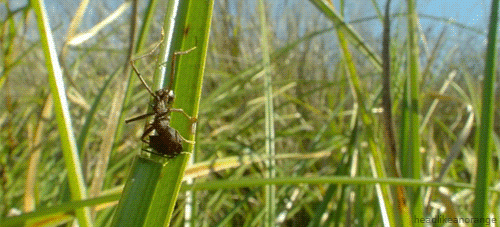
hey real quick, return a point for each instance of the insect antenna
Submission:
(142, 79)
(143, 56)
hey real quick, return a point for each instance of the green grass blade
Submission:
(348, 180)
(47, 213)
(138, 193)
(415, 160)
(187, 25)
(191, 67)
(61, 107)
(481, 205)
(190, 76)
(167, 189)
(270, 190)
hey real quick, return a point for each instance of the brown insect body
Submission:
(167, 141)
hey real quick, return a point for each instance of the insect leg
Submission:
(192, 119)
(148, 129)
(183, 139)
(172, 65)
(139, 117)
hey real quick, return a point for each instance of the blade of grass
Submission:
(388, 120)
(74, 25)
(29, 189)
(258, 182)
(413, 153)
(8, 57)
(84, 133)
(61, 107)
(327, 8)
(481, 205)
(432, 107)
(456, 148)
(82, 37)
(270, 190)
(138, 193)
(69, 207)
(187, 25)
(343, 170)
(189, 82)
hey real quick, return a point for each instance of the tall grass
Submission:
(270, 190)
(481, 202)
(63, 118)
(158, 182)
(323, 117)
(411, 157)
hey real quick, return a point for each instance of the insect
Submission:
(166, 141)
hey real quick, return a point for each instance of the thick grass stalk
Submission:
(61, 107)
(414, 158)
(269, 119)
(138, 193)
(187, 25)
(481, 205)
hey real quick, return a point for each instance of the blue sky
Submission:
(472, 12)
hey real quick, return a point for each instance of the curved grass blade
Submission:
(80, 38)
(327, 9)
(61, 107)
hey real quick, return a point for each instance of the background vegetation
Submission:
(324, 65)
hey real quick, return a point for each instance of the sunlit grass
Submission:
(331, 166)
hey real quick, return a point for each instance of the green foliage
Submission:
(66, 153)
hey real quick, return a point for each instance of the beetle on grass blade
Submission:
(166, 141)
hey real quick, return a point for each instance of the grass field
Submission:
(304, 118)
